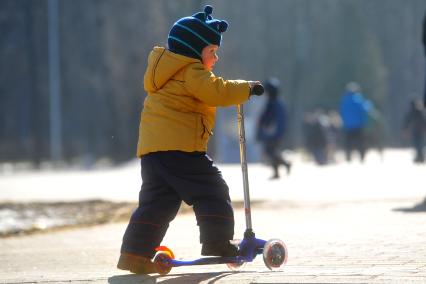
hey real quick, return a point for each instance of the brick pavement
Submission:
(329, 242)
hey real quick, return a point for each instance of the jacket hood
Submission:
(163, 65)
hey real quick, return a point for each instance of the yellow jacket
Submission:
(179, 111)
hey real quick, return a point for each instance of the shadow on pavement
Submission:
(174, 278)
(418, 208)
(131, 279)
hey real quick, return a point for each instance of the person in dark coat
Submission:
(272, 126)
(315, 134)
(424, 48)
(415, 127)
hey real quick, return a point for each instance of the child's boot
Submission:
(219, 249)
(136, 264)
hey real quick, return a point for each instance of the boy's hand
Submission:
(256, 88)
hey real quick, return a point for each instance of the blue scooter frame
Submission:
(248, 248)
(274, 251)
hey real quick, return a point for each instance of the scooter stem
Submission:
(242, 135)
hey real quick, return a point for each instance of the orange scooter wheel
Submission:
(162, 260)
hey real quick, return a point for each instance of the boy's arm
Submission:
(215, 91)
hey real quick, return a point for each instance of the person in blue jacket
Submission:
(272, 126)
(354, 112)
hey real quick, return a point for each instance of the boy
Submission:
(176, 123)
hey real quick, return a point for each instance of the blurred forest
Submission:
(313, 47)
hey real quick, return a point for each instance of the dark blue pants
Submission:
(418, 143)
(354, 140)
(273, 152)
(168, 178)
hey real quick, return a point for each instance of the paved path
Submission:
(349, 242)
(342, 224)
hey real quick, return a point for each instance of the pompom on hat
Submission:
(190, 35)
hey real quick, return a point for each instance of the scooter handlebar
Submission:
(257, 90)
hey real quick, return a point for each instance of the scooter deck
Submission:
(207, 260)
(249, 248)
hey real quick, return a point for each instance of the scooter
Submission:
(274, 251)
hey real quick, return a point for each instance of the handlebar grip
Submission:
(257, 90)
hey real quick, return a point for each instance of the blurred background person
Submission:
(375, 134)
(354, 112)
(315, 135)
(271, 127)
(424, 49)
(333, 133)
(414, 129)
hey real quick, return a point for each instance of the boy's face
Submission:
(209, 56)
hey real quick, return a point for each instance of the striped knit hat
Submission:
(190, 35)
